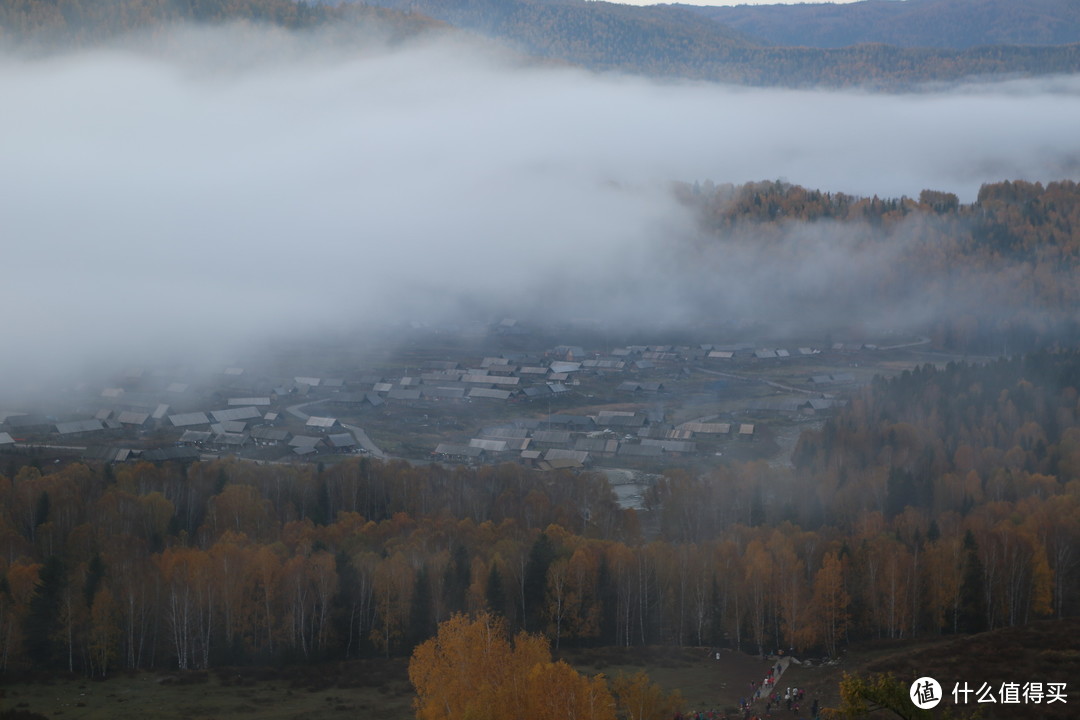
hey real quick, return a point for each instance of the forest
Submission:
(940, 501)
(679, 41)
(72, 24)
(912, 23)
(656, 41)
(998, 273)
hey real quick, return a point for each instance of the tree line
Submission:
(86, 23)
(940, 501)
(995, 276)
(666, 41)
(914, 23)
(654, 41)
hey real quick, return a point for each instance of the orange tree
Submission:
(472, 671)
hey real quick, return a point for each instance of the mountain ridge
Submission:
(665, 41)
(659, 41)
(956, 24)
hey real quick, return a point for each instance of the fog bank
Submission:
(241, 185)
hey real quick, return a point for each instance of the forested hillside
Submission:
(941, 501)
(596, 34)
(983, 277)
(954, 24)
(81, 23)
(658, 41)
(677, 42)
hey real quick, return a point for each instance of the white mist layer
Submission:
(241, 185)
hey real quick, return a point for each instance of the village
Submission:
(505, 394)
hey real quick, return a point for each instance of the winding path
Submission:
(358, 432)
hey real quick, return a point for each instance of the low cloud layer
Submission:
(240, 185)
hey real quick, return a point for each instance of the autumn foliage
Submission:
(1000, 272)
(470, 669)
(641, 699)
(943, 500)
(884, 695)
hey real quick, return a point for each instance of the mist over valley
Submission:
(589, 337)
(243, 184)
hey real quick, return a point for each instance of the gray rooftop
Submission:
(456, 449)
(445, 393)
(551, 437)
(489, 393)
(598, 445)
(707, 428)
(342, 440)
(564, 367)
(79, 426)
(244, 413)
(489, 445)
(573, 457)
(270, 434)
(640, 450)
(129, 417)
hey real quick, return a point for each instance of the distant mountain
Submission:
(681, 41)
(70, 23)
(658, 39)
(956, 24)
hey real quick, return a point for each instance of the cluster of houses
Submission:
(516, 377)
(157, 417)
(511, 377)
(321, 434)
(572, 441)
(153, 419)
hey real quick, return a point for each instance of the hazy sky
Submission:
(245, 184)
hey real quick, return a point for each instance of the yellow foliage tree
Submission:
(830, 604)
(883, 695)
(470, 670)
(393, 592)
(640, 699)
(104, 631)
(556, 691)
